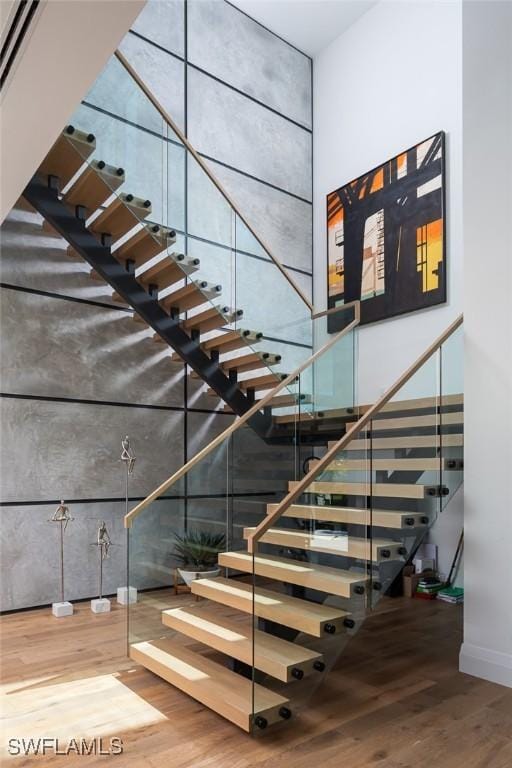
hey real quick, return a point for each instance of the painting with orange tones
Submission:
(386, 241)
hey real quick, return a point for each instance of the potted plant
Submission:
(197, 552)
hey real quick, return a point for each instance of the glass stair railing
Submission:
(346, 530)
(209, 504)
(133, 198)
(284, 568)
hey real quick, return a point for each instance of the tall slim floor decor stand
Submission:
(127, 594)
(103, 542)
(62, 516)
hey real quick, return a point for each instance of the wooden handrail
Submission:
(168, 119)
(306, 481)
(258, 405)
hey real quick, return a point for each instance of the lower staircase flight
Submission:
(252, 642)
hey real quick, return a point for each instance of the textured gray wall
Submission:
(78, 374)
(248, 105)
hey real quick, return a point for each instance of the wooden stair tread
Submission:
(284, 401)
(231, 340)
(215, 686)
(145, 244)
(423, 403)
(388, 490)
(212, 318)
(273, 655)
(268, 381)
(195, 293)
(384, 518)
(391, 464)
(290, 611)
(250, 361)
(94, 186)
(122, 215)
(169, 270)
(335, 544)
(418, 403)
(407, 441)
(311, 575)
(413, 422)
(68, 154)
(343, 415)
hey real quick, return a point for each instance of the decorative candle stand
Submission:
(103, 542)
(62, 516)
(127, 595)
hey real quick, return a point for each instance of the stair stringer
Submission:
(46, 201)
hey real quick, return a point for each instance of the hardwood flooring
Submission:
(395, 700)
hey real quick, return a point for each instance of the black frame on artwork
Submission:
(378, 309)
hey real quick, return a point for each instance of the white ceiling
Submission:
(310, 25)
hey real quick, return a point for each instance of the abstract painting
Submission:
(386, 236)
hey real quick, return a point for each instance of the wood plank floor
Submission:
(395, 700)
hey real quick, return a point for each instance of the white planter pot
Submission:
(190, 576)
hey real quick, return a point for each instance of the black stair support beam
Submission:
(245, 670)
(44, 198)
(278, 630)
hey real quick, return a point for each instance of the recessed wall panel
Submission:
(210, 475)
(162, 21)
(162, 73)
(238, 50)
(57, 450)
(33, 259)
(283, 222)
(228, 127)
(85, 352)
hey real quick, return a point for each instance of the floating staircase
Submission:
(277, 619)
(99, 208)
(252, 643)
(82, 200)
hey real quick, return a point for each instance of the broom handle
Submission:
(456, 557)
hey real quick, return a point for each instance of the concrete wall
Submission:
(243, 97)
(487, 649)
(392, 79)
(77, 373)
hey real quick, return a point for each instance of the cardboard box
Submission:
(424, 564)
(426, 557)
(411, 579)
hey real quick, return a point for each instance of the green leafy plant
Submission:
(198, 550)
